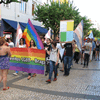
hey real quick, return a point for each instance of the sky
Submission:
(89, 8)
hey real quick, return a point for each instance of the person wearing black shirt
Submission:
(47, 47)
(68, 57)
(44, 44)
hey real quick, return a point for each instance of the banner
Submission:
(91, 35)
(48, 35)
(79, 33)
(18, 35)
(0, 11)
(66, 30)
(27, 60)
(30, 33)
(77, 41)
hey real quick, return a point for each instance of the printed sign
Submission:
(27, 60)
(66, 30)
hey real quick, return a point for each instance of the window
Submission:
(33, 9)
(7, 5)
(23, 7)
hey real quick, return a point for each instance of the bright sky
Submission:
(89, 8)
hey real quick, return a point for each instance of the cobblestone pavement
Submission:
(81, 84)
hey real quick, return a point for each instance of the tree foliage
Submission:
(51, 15)
(96, 33)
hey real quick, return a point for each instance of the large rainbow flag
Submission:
(27, 60)
(30, 33)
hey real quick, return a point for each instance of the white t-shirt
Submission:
(11, 44)
(22, 46)
(88, 46)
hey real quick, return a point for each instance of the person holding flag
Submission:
(68, 57)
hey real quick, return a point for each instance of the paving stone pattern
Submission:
(81, 84)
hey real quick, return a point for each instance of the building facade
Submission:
(19, 12)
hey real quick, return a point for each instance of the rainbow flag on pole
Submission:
(28, 60)
(30, 33)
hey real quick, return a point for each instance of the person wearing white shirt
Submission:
(10, 43)
(87, 53)
(22, 45)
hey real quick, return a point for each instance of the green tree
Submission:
(9, 1)
(51, 15)
(96, 33)
(87, 25)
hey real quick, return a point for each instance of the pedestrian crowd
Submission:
(89, 52)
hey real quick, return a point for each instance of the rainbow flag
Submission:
(28, 60)
(30, 33)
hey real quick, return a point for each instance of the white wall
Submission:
(13, 12)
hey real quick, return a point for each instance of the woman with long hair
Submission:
(97, 50)
(4, 62)
(21, 45)
(33, 46)
(54, 61)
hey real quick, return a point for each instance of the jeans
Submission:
(53, 68)
(47, 66)
(67, 64)
(72, 60)
(86, 59)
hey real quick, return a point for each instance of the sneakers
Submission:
(86, 66)
(62, 70)
(83, 66)
(48, 81)
(64, 75)
(55, 79)
(15, 74)
(95, 59)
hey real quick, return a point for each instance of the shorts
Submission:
(97, 49)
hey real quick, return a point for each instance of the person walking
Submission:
(97, 50)
(22, 45)
(76, 54)
(68, 57)
(47, 48)
(54, 61)
(4, 62)
(87, 53)
(33, 46)
(82, 54)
